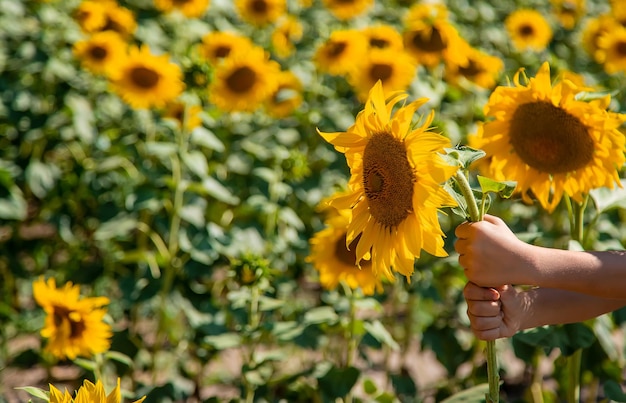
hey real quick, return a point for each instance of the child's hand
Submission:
(492, 255)
(494, 312)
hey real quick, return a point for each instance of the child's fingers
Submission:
(476, 293)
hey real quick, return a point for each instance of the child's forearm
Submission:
(549, 306)
(600, 274)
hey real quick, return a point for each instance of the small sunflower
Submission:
(218, 45)
(612, 50)
(568, 12)
(618, 11)
(528, 30)
(394, 69)
(383, 37)
(286, 34)
(593, 31)
(347, 9)
(121, 20)
(89, 392)
(482, 69)
(244, 81)
(145, 80)
(337, 55)
(335, 260)
(430, 38)
(189, 8)
(74, 326)
(287, 96)
(91, 15)
(186, 116)
(102, 52)
(395, 187)
(541, 136)
(261, 12)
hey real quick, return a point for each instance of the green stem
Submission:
(493, 396)
(350, 335)
(573, 376)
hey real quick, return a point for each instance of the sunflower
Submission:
(244, 81)
(288, 32)
(528, 30)
(91, 15)
(121, 20)
(549, 142)
(189, 8)
(287, 96)
(593, 31)
(347, 9)
(612, 50)
(145, 80)
(618, 11)
(395, 187)
(383, 37)
(74, 326)
(568, 12)
(482, 69)
(260, 12)
(102, 52)
(217, 45)
(185, 116)
(430, 38)
(89, 392)
(335, 260)
(336, 56)
(395, 69)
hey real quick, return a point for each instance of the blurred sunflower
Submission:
(288, 32)
(612, 50)
(218, 45)
(395, 69)
(189, 8)
(102, 52)
(145, 80)
(91, 15)
(287, 96)
(186, 116)
(594, 29)
(549, 142)
(430, 38)
(121, 20)
(244, 81)
(395, 187)
(260, 12)
(74, 326)
(337, 55)
(618, 11)
(482, 69)
(383, 37)
(568, 12)
(347, 9)
(336, 261)
(528, 30)
(89, 392)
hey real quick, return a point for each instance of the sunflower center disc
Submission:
(348, 255)
(471, 70)
(98, 53)
(429, 43)
(241, 80)
(222, 52)
(336, 49)
(62, 314)
(259, 6)
(388, 179)
(526, 31)
(380, 71)
(144, 77)
(620, 47)
(549, 139)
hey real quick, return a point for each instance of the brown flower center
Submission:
(526, 31)
(429, 43)
(380, 71)
(259, 7)
(62, 315)
(620, 48)
(221, 52)
(336, 49)
(144, 78)
(98, 52)
(348, 255)
(549, 139)
(241, 80)
(388, 179)
(379, 43)
(471, 70)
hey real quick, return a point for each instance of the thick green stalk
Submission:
(493, 396)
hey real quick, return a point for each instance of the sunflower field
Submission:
(256, 200)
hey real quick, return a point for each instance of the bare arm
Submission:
(503, 311)
(492, 255)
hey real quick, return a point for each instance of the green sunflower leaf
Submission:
(504, 189)
(36, 392)
(463, 156)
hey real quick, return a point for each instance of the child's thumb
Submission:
(507, 293)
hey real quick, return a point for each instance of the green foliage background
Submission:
(164, 224)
